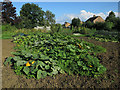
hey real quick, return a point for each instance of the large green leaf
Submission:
(16, 53)
(20, 62)
(41, 74)
(16, 58)
(44, 57)
(80, 63)
(47, 66)
(101, 69)
(33, 70)
(8, 60)
(35, 56)
(26, 70)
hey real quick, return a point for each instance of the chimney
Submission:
(94, 15)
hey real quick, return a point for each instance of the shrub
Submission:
(8, 27)
(56, 28)
(109, 25)
(99, 25)
(87, 31)
(89, 24)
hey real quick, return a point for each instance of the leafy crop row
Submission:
(41, 55)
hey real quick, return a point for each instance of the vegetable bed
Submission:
(41, 55)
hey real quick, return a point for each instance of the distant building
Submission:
(81, 22)
(67, 25)
(95, 19)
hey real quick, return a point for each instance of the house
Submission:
(95, 19)
(81, 22)
(67, 25)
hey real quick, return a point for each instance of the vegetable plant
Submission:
(41, 55)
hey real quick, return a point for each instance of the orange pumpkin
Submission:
(27, 64)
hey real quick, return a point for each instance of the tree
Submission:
(32, 15)
(18, 22)
(49, 18)
(115, 20)
(75, 22)
(117, 26)
(8, 12)
(111, 17)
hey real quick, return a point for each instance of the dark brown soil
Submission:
(109, 80)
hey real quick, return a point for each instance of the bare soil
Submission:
(110, 79)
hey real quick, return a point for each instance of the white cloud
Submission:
(83, 15)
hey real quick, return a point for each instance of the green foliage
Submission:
(66, 31)
(115, 20)
(117, 25)
(8, 27)
(99, 25)
(89, 24)
(111, 17)
(106, 36)
(55, 28)
(8, 12)
(7, 31)
(49, 18)
(32, 15)
(75, 22)
(108, 25)
(19, 23)
(41, 55)
(87, 31)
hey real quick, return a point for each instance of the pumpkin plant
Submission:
(41, 55)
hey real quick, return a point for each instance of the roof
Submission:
(92, 18)
(67, 24)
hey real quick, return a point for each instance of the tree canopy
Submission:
(75, 22)
(8, 12)
(49, 18)
(32, 15)
(111, 17)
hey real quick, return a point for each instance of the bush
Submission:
(99, 25)
(108, 25)
(66, 31)
(56, 28)
(8, 27)
(89, 24)
(87, 31)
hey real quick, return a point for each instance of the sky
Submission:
(66, 11)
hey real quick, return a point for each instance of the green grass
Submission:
(8, 31)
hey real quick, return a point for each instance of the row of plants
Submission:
(41, 55)
(110, 39)
(104, 36)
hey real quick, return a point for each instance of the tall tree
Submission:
(32, 15)
(49, 18)
(111, 17)
(8, 12)
(75, 22)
